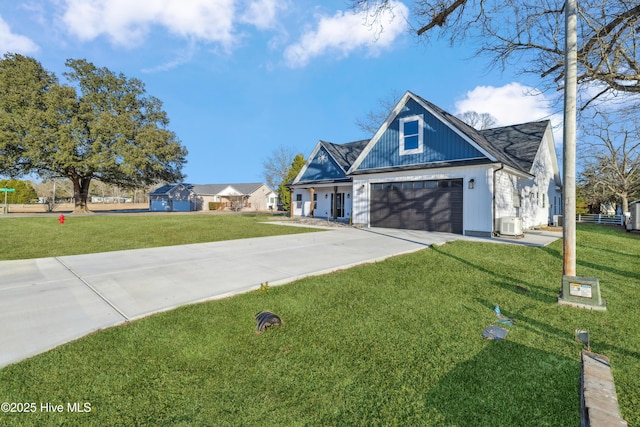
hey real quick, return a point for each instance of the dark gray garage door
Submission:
(418, 205)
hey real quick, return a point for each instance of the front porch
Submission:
(333, 202)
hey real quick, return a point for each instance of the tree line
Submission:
(61, 191)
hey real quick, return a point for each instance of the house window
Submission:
(315, 201)
(298, 201)
(411, 132)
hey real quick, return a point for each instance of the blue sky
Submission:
(238, 78)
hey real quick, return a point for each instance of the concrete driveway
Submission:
(50, 301)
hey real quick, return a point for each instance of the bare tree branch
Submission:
(611, 160)
(528, 37)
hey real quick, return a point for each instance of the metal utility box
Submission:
(583, 292)
(633, 223)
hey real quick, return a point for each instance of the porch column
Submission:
(311, 193)
(291, 201)
(335, 202)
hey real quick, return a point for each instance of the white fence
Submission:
(601, 219)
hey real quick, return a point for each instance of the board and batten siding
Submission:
(322, 167)
(440, 143)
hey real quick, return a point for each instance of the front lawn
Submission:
(39, 237)
(392, 343)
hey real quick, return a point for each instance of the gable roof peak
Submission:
(345, 154)
(495, 144)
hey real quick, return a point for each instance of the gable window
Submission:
(411, 131)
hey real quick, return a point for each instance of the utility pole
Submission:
(580, 292)
(569, 139)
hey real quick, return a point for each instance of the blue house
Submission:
(426, 169)
(172, 198)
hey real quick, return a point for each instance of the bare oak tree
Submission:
(372, 121)
(611, 159)
(277, 165)
(529, 34)
(477, 120)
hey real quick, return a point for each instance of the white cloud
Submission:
(346, 32)
(263, 13)
(15, 43)
(128, 22)
(511, 104)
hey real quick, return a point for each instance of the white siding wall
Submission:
(539, 199)
(477, 201)
(506, 192)
(299, 209)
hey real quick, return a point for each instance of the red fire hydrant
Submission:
(61, 219)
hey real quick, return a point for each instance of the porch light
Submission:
(472, 183)
(348, 195)
(326, 196)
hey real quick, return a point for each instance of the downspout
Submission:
(493, 210)
(368, 192)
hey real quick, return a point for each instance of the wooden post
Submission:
(311, 192)
(335, 202)
(569, 142)
(291, 207)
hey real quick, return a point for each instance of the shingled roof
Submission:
(345, 154)
(166, 189)
(518, 142)
(213, 189)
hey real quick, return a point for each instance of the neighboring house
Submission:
(172, 198)
(189, 197)
(244, 197)
(426, 169)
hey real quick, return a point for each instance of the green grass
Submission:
(392, 343)
(23, 238)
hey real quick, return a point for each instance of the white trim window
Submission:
(411, 134)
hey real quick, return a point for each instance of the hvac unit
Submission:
(557, 220)
(510, 226)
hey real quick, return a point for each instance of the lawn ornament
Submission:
(61, 219)
(266, 319)
(494, 333)
(501, 319)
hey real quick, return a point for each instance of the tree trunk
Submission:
(80, 194)
(625, 202)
